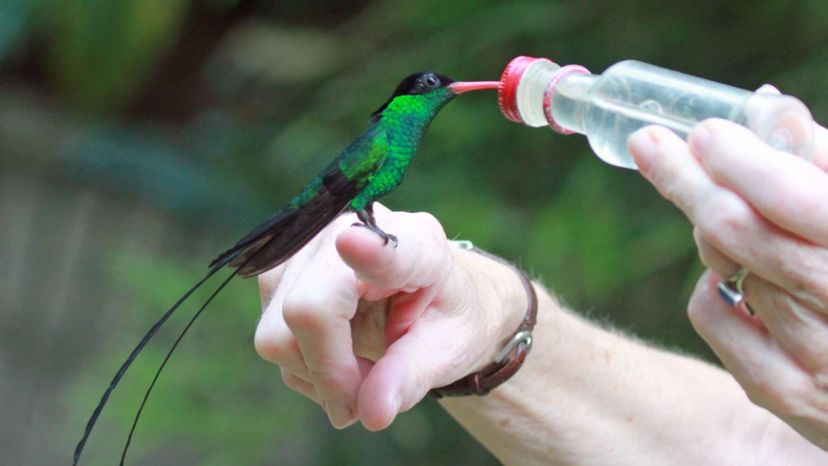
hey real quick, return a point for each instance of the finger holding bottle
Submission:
(738, 191)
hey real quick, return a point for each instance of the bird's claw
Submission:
(386, 237)
(392, 238)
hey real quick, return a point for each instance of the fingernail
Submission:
(700, 139)
(643, 148)
(339, 414)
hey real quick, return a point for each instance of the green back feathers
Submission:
(376, 161)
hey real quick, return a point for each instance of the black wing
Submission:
(277, 239)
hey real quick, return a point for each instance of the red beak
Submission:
(461, 87)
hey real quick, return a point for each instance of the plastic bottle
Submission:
(607, 108)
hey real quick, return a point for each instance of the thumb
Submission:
(421, 259)
(820, 152)
(424, 357)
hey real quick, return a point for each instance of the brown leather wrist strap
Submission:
(509, 358)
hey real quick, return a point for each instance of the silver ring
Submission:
(730, 289)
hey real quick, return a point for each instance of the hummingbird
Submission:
(371, 166)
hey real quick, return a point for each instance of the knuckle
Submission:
(429, 223)
(303, 312)
(809, 350)
(291, 380)
(269, 283)
(329, 381)
(766, 393)
(288, 378)
(807, 272)
(271, 347)
(820, 379)
(427, 220)
(433, 228)
(781, 396)
(726, 218)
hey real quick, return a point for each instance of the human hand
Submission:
(365, 329)
(766, 210)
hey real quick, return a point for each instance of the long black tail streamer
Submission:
(167, 358)
(150, 333)
(118, 375)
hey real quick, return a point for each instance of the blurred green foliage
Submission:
(102, 50)
(179, 124)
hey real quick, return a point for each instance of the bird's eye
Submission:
(431, 81)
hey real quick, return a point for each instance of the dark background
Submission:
(139, 138)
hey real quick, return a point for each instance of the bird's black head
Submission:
(413, 84)
(421, 83)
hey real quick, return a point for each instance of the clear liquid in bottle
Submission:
(629, 95)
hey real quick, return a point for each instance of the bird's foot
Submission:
(386, 237)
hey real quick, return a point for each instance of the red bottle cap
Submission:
(509, 80)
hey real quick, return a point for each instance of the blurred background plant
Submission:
(138, 138)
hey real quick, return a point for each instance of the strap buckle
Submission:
(524, 336)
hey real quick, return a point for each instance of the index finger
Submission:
(725, 219)
(318, 309)
(785, 189)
